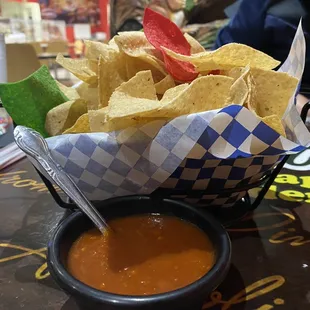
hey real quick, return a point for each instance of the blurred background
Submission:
(33, 32)
(39, 29)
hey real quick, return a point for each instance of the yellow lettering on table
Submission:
(277, 301)
(16, 180)
(4, 175)
(40, 187)
(11, 179)
(286, 179)
(271, 194)
(307, 199)
(291, 195)
(25, 183)
(293, 240)
(265, 307)
(252, 291)
(305, 182)
(41, 272)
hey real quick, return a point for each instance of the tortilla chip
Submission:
(135, 102)
(93, 50)
(203, 94)
(99, 123)
(271, 92)
(112, 73)
(79, 67)
(135, 44)
(172, 93)
(69, 92)
(64, 116)
(250, 85)
(97, 119)
(81, 125)
(196, 47)
(165, 84)
(228, 56)
(274, 122)
(135, 65)
(133, 97)
(28, 101)
(89, 94)
(239, 90)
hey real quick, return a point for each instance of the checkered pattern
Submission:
(215, 175)
(209, 151)
(132, 161)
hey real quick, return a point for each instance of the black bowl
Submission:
(189, 297)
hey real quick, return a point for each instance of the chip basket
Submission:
(226, 215)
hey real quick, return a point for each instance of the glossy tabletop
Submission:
(271, 247)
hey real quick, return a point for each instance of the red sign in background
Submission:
(94, 12)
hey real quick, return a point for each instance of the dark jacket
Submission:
(269, 26)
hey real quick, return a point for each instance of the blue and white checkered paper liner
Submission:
(214, 174)
(215, 149)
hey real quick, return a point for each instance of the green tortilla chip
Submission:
(29, 100)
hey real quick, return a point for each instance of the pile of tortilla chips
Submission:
(139, 77)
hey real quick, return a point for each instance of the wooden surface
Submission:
(270, 263)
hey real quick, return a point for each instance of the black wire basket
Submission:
(225, 215)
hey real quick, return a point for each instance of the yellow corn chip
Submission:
(271, 92)
(81, 125)
(112, 73)
(122, 79)
(228, 56)
(250, 85)
(79, 67)
(136, 64)
(97, 119)
(69, 92)
(172, 93)
(196, 47)
(93, 50)
(239, 90)
(99, 123)
(133, 97)
(165, 84)
(64, 116)
(135, 44)
(203, 94)
(89, 94)
(274, 122)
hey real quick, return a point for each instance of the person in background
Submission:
(47, 12)
(270, 26)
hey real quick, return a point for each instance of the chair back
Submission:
(21, 61)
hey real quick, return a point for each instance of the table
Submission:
(50, 57)
(270, 262)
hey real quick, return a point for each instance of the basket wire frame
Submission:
(225, 214)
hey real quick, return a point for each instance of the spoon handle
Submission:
(34, 145)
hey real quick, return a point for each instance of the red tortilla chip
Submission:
(161, 32)
(180, 70)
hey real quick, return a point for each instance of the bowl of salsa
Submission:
(157, 254)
